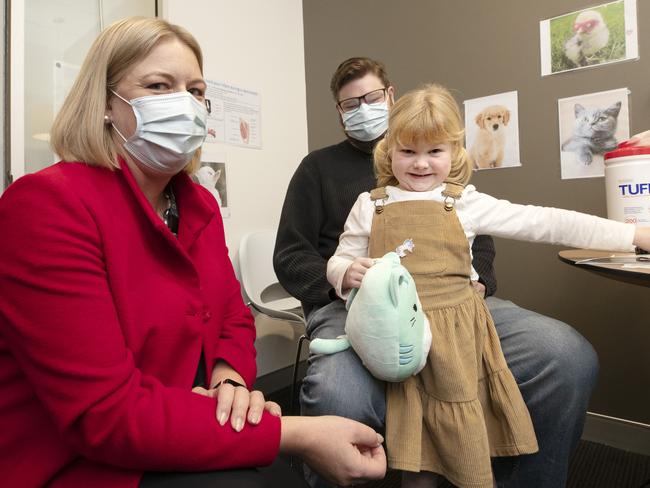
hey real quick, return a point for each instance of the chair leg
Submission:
(295, 375)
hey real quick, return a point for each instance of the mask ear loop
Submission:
(118, 131)
(108, 119)
(120, 97)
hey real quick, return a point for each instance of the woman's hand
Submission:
(340, 449)
(238, 403)
(355, 272)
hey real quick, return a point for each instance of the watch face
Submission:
(230, 382)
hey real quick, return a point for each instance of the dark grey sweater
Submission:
(318, 201)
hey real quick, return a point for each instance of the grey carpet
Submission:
(599, 466)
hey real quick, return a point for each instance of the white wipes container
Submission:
(627, 180)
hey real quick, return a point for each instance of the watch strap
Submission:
(229, 381)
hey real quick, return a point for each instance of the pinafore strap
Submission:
(452, 192)
(379, 196)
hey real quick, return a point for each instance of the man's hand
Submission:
(479, 288)
(343, 451)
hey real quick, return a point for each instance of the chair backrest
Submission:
(258, 279)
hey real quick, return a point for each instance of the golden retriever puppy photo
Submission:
(488, 148)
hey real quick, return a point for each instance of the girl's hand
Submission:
(355, 272)
(239, 404)
(641, 139)
(642, 238)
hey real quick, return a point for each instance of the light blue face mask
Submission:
(368, 122)
(169, 130)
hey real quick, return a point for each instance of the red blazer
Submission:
(103, 317)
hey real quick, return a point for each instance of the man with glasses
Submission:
(554, 366)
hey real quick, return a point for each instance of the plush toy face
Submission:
(386, 325)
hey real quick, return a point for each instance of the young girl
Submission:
(465, 406)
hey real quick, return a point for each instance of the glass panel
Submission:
(58, 33)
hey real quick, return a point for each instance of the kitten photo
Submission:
(590, 126)
(594, 131)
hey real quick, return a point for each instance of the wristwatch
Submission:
(230, 382)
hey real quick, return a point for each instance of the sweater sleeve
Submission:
(483, 252)
(60, 323)
(298, 265)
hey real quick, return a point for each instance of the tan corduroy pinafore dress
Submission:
(464, 406)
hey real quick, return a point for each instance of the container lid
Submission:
(624, 149)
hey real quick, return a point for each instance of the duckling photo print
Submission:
(590, 37)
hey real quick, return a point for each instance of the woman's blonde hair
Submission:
(431, 114)
(79, 131)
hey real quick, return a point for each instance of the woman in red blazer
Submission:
(116, 286)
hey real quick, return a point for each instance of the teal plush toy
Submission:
(385, 326)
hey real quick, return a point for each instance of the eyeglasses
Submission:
(353, 103)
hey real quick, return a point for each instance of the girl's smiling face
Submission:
(421, 166)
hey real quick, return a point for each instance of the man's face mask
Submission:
(368, 122)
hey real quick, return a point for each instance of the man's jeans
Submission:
(555, 368)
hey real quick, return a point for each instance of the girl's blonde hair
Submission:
(79, 131)
(431, 114)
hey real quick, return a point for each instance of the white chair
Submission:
(263, 292)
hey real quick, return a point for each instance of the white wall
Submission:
(257, 45)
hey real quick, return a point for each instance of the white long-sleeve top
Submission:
(482, 214)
